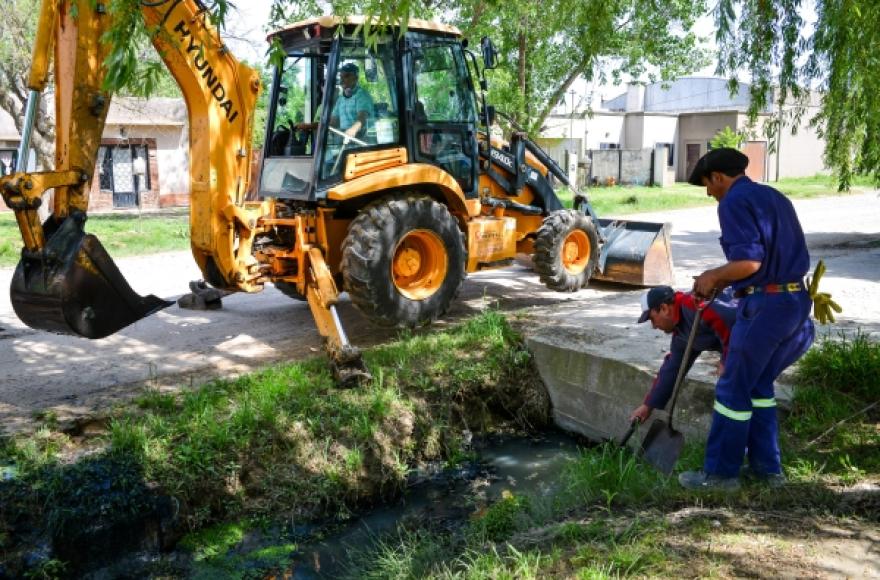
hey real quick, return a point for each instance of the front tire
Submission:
(403, 260)
(566, 250)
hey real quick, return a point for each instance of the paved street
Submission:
(74, 377)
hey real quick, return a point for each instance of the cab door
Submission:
(442, 110)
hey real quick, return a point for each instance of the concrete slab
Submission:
(597, 363)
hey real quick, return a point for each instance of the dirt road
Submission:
(72, 377)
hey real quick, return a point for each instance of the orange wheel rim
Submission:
(419, 265)
(576, 252)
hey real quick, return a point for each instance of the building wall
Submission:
(697, 129)
(602, 127)
(159, 123)
(169, 151)
(695, 94)
(799, 155)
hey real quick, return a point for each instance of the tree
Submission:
(727, 137)
(545, 46)
(840, 60)
(16, 41)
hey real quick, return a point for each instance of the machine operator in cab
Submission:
(353, 110)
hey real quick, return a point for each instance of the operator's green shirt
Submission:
(346, 109)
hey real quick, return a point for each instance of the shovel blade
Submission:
(662, 446)
(74, 287)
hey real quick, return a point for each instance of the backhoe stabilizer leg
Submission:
(349, 369)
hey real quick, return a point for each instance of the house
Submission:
(682, 117)
(143, 160)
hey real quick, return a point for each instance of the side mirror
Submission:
(282, 96)
(490, 54)
(371, 72)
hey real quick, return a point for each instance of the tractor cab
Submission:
(342, 106)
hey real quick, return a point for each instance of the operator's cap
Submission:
(653, 298)
(350, 67)
(723, 159)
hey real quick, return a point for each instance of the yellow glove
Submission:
(822, 302)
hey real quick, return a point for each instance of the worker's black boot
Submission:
(700, 480)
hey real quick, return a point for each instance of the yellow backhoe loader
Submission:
(378, 176)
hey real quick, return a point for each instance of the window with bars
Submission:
(8, 159)
(125, 171)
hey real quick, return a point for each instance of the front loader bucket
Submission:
(72, 286)
(637, 253)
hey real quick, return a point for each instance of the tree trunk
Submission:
(560, 92)
(13, 100)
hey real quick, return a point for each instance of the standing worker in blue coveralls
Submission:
(767, 260)
(673, 313)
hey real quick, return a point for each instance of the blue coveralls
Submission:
(713, 333)
(772, 330)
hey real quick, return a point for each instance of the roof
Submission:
(332, 21)
(155, 111)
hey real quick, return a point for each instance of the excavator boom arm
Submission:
(66, 282)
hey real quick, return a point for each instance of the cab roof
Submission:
(334, 21)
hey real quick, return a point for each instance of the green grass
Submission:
(608, 519)
(622, 199)
(286, 439)
(121, 234)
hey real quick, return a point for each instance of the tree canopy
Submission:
(770, 41)
(546, 45)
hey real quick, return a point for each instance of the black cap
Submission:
(653, 298)
(725, 159)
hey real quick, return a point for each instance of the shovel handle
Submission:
(687, 352)
(629, 432)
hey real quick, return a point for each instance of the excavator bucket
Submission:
(637, 253)
(72, 286)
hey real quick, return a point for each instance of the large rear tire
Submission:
(403, 260)
(566, 250)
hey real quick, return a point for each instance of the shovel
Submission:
(662, 446)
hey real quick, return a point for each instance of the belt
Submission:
(772, 288)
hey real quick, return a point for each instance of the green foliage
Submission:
(214, 541)
(768, 39)
(849, 365)
(402, 555)
(507, 563)
(287, 439)
(635, 550)
(122, 234)
(612, 476)
(502, 519)
(51, 569)
(544, 47)
(727, 137)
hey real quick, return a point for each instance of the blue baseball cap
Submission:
(653, 298)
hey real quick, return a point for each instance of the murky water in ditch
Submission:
(443, 499)
(522, 465)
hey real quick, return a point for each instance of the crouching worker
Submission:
(673, 313)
